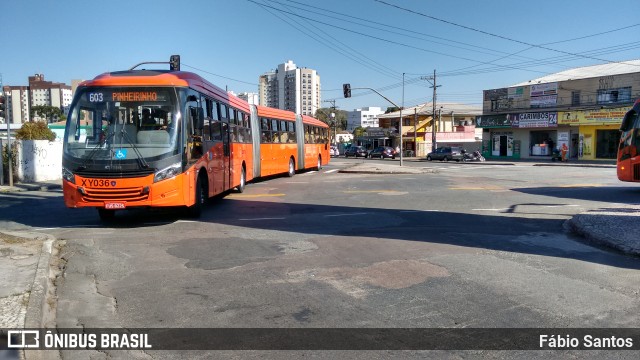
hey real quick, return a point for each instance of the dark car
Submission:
(383, 152)
(446, 153)
(355, 151)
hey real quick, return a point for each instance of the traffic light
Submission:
(347, 90)
(174, 63)
(2, 106)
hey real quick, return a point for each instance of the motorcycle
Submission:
(475, 156)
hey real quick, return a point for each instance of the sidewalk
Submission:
(52, 185)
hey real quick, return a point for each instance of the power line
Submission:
(378, 68)
(495, 35)
(224, 77)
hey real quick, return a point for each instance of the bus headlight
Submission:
(68, 175)
(168, 172)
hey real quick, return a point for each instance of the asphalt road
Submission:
(463, 246)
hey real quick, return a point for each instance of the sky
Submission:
(393, 46)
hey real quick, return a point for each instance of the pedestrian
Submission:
(564, 151)
(397, 149)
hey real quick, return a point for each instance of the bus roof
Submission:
(264, 111)
(313, 121)
(157, 78)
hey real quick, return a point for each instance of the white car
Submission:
(333, 151)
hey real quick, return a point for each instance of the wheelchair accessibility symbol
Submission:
(121, 154)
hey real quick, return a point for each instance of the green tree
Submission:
(359, 132)
(47, 112)
(35, 131)
(323, 114)
(391, 109)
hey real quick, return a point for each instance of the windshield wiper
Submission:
(94, 150)
(143, 163)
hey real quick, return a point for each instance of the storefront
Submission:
(598, 132)
(498, 138)
(541, 132)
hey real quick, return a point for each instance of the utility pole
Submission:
(433, 111)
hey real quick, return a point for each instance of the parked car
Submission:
(356, 151)
(333, 151)
(383, 152)
(446, 153)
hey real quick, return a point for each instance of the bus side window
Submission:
(224, 116)
(216, 131)
(266, 134)
(275, 135)
(206, 130)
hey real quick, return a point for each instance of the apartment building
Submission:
(20, 99)
(291, 88)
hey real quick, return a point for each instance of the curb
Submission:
(592, 235)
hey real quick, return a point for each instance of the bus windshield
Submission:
(124, 124)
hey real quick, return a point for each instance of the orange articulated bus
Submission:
(629, 150)
(164, 138)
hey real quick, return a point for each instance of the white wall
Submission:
(39, 160)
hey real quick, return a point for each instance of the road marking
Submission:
(253, 195)
(297, 182)
(580, 185)
(346, 214)
(503, 209)
(426, 210)
(369, 191)
(331, 171)
(266, 218)
(477, 188)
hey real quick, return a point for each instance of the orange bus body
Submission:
(213, 161)
(628, 160)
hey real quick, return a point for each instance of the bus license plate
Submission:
(114, 205)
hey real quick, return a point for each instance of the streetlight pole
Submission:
(400, 127)
(347, 93)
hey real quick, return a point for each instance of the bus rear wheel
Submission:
(292, 168)
(243, 181)
(319, 163)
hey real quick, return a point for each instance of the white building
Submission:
(20, 99)
(250, 97)
(365, 117)
(291, 88)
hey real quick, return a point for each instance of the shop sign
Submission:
(534, 120)
(544, 95)
(516, 92)
(375, 132)
(493, 121)
(592, 117)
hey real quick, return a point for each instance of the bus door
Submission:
(226, 155)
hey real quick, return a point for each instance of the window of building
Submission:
(619, 95)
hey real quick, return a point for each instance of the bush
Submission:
(35, 131)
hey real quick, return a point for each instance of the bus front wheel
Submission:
(200, 196)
